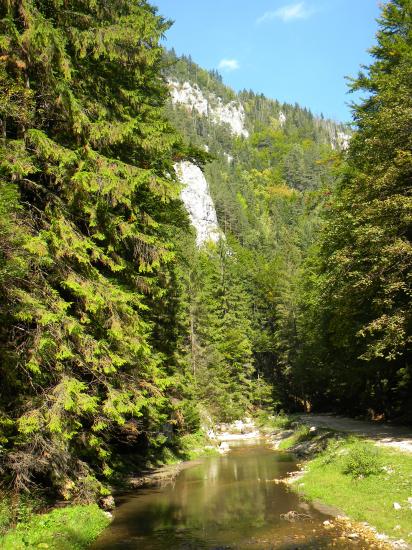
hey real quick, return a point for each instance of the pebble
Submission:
(397, 506)
(400, 544)
(327, 524)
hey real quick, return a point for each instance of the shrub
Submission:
(363, 460)
(71, 528)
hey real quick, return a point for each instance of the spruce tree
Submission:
(223, 362)
(363, 293)
(88, 154)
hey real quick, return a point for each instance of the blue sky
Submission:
(291, 50)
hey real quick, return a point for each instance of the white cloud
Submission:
(287, 13)
(229, 64)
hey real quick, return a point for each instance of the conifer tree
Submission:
(363, 293)
(223, 366)
(88, 154)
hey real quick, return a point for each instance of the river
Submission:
(227, 502)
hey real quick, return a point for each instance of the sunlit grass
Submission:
(71, 528)
(364, 481)
(301, 434)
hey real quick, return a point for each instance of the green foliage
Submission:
(221, 332)
(74, 527)
(267, 191)
(300, 435)
(115, 332)
(89, 215)
(362, 460)
(196, 445)
(17, 509)
(356, 299)
(280, 421)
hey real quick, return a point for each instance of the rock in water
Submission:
(224, 447)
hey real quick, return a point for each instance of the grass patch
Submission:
(268, 422)
(71, 528)
(364, 481)
(301, 434)
(196, 445)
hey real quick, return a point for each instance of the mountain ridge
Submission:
(200, 99)
(188, 83)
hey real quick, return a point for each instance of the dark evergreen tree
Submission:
(87, 182)
(361, 332)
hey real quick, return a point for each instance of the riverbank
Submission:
(69, 528)
(369, 488)
(75, 527)
(212, 442)
(371, 485)
(229, 502)
(28, 522)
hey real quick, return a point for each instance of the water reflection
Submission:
(223, 502)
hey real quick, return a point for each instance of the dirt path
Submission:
(383, 434)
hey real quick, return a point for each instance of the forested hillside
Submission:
(356, 304)
(273, 170)
(321, 232)
(119, 334)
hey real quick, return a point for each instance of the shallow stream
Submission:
(228, 502)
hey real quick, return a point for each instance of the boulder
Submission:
(223, 447)
(107, 503)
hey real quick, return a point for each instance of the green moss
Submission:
(71, 528)
(364, 481)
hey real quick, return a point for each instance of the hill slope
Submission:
(271, 170)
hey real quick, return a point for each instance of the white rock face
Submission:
(198, 202)
(189, 95)
(338, 139)
(192, 96)
(282, 118)
(233, 114)
(343, 140)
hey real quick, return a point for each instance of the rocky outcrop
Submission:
(107, 503)
(189, 95)
(341, 141)
(282, 118)
(199, 204)
(231, 113)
